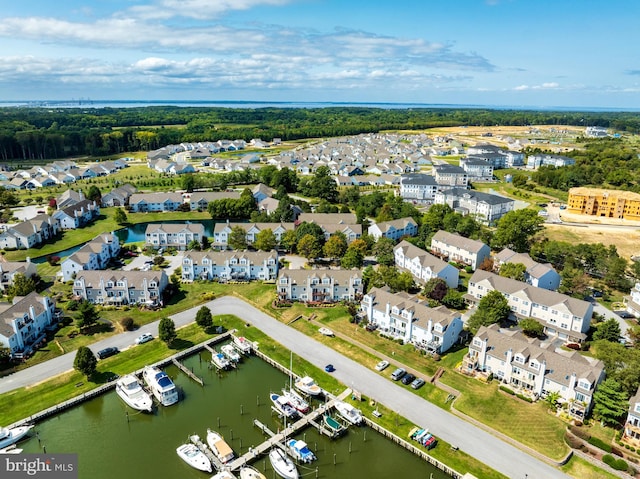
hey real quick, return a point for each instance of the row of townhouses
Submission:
(118, 288)
(230, 265)
(9, 270)
(173, 235)
(423, 265)
(96, 254)
(29, 233)
(319, 285)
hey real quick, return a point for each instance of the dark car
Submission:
(106, 352)
(329, 368)
(407, 378)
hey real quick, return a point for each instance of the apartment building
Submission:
(423, 265)
(319, 285)
(453, 247)
(230, 265)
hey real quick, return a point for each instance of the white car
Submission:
(143, 338)
(382, 365)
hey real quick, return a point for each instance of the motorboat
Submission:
(130, 391)
(250, 472)
(296, 400)
(349, 412)
(12, 449)
(12, 435)
(223, 475)
(283, 466)
(308, 386)
(219, 446)
(220, 361)
(231, 353)
(243, 345)
(300, 451)
(283, 406)
(161, 385)
(326, 332)
(193, 456)
(333, 425)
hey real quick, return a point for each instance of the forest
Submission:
(43, 134)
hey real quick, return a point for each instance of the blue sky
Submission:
(538, 53)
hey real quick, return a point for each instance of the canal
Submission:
(112, 440)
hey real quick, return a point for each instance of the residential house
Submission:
(230, 265)
(401, 317)
(29, 233)
(77, 215)
(327, 218)
(173, 235)
(632, 301)
(418, 187)
(118, 196)
(9, 269)
(319, 285)
(96, 254)
(450, 176)
(150, 202)
(261, 192)
(118, 288)
(477, 168)
(24, 324)
(424, 266)
(536, 274)
(561, 315)
(535, 368)
(536, 161)
(221, 231)
(199, 200)
(394, 229)
(632, 425)
(484, 207)
(453, 247)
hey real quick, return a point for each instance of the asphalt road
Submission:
(494, 452)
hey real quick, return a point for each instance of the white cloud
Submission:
(198, 9)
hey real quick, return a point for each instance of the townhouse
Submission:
(77, 215)
(536, 161)
(418, 187)
(118, 288)
(453, 247)
(394, 229)
(632, 424)
(535, 368)
(230, 265)
(148, 202)
(23, 325)
(536, 274)
(485, 207)
(561, 315)
(450, 176)
(477, 168)
(9, 269)
(173, 235)
(118, 196)
(96, 254)
(319, 285)
(424, 266)
(199, 200)
(221, 231)
(29, 233)
(400, 316)
(69, 198)
(327, 218)
(632, 301)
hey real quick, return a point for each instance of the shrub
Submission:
(73, 305)
(127, 323)
(524, 398)
(581, 433)
(573, 442)
(616, 451)
(617, 464)
(599, 444)
(507, 390)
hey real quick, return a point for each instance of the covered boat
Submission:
(296, 400)
(161, 385)
(301, 451)
(193, 456)
(230, 352)
(243, 345)
(219, 446)
(283, 466)
(308, 386)
(220, 361)
(130, 391)
(250, 472)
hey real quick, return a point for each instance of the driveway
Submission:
(140, 261)
(295, 261)
(489, 449)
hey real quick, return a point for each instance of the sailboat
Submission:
(292, 396)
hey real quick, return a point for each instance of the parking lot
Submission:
(143, 261)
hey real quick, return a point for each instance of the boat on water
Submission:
(193, 456)
(161, 385)
(130, 391)
(219, 446)
(308, 386)
(9, 436)
(283, 406)
(243, 345)
(231, 353)
(333, 425)
(12, 449)
(349, 412)
(220, 361)
(283, 466)
(296, 400)
(250, 472)
(300, 451)
(326, 332)
(223, 475)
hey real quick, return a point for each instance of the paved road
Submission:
(489, 449)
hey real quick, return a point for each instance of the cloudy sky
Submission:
(535, 53)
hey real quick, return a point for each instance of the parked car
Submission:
(398, 373)
(370, 327)
(144, 338)
(329, 368)
(106, 352)
(407, 379)
(417, 383)
(382, 365)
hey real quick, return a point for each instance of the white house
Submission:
(117, 288)
(173, 235)
(29, 233)
(536, 161)
(230, 265)
(424, 266)
(221, 231)
(632, 424)
(418, 187)
(451, 176)
(94, 255)
(399, 316)
(394, 229)
(537, 274)
(9, 269)
(485, 207)
(77, 215)
(319, 285)
(199, 200)
(453, 247)
(633, 301)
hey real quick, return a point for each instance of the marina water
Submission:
(113, 441)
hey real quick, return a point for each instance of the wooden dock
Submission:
(195, 439)
(187, 371)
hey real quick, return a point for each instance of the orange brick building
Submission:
(604, 203)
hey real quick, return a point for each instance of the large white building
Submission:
(633, 301)
(453, 247)
(230, 265)
(319, 285)
(537, 274)
(118, 288)
(536, 161)
(96, 254)
(173, 235)
(222, 231)
(485, 207)
(394, 229)
(424, 266)
(561, 315)
(535, 368)
(450, 176)
(401, 317)
(418, 187)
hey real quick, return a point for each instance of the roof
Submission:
(220, 257)
(208, 196)
(449, 169)
(300, 276)
(426, 259)
(155, 198)
(92, 278)
(328, 218)
(420, 179)
(219, 227)
(466, 244)
(18, 309)
(477, 195)
(400, 223)
(534, 269)
(174, 228)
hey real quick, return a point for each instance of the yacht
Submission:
(250, 472)
(161, 385)
(300, 451)
(282, 405)
(219, 446)
(308, 386)
(296, 400)
(283, 466)
(13, 435)
(193, 456)
(130, 391)
(348, 412)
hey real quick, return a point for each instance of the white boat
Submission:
(230, 352)
(283, 406)
(220, 361)
(349, 412)
(250, 472)
(223, 475)
(243, 345)
(296, 400)
(13, 435)
(12, 449)
(283, 466)
(301, 451)
(219, 446)
(161, 385)
(326, 332)
(130, 391)
(308, 386)
(193, 456)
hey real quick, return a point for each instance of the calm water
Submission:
(110, 447)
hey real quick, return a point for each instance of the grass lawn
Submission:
(581, 469)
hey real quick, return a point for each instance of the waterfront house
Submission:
(77, 215)
(319, 285)
(150, 202)
(29, 233)
(199, 200)
(536, 274)
(424, 266)
(230, 265)
(9, 269)
(96, 254)
(118, 288)
(173, 235)
(394, 229)
(453, 247)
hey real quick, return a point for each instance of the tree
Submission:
(188, 182)
(86, 315)
(336, 246)
(22, 285)
(383, 251)
(312, 229)
(574, 282)
(531, 327)
(610, 402)
(353, 258)
(608, 330)
(435, 288)
(85, 361)
(204, 319)
(194, 245)
(454, 300)
(514, 271)
(119, 216)
(309, 247)
(205, 242)
(94, 194)
(265, 240)
(167, 331)
(238, 238)
(289, 240)
(516, 229)
(493, 308)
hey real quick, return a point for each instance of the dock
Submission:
(195, 439)
(187, 371)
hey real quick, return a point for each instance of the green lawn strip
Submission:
(581, 469)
